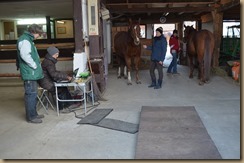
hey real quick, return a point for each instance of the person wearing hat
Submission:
(174, 44)
(158, 48)
(29, 64)
(51, 75)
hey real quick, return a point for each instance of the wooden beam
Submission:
(121, 9)
(195, 2)
(218, 30)
(48, 20)
(78, 26)
(229, 5)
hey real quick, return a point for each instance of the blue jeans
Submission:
(173, 64)
(30, 99)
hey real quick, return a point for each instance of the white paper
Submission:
(80, 61)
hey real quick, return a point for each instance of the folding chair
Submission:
(41, 99)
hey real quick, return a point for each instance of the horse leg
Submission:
(191, 66)
(136, 63)
(201, 72)
(119, 60)
(128, 65)
(125, 72)
(119, 72)
(199, 67)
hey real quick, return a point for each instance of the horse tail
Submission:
(207, 58)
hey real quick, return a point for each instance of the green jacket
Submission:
(30, 67)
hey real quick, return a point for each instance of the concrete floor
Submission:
(217, 103)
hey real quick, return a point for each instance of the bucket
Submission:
(236, 70)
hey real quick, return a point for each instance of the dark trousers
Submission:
(64, 94)
(156, 65)
(30, 99)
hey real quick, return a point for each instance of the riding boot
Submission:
(153, 84)
(159, 85)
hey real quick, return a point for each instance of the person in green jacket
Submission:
(28, 61)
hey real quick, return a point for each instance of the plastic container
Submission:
(236, 70)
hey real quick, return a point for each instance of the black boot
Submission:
(159, 85)
(153, 84)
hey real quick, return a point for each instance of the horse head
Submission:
(188, 30)
(135, 31)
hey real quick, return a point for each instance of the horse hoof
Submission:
(191, 76)
(138, 82)
(119, 77)
(125, 77)
(129, 83)
(201, 83)
(207, 81)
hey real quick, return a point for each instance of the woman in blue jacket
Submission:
(159, 48)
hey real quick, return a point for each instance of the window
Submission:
(143, 31)
(231, 29)
(189, 23)
(167, 29)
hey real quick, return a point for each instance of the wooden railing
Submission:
(11, 47)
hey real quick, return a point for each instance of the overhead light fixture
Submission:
(162, 19)
(60, 22)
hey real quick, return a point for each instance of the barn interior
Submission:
(62, 22)
(220, 17)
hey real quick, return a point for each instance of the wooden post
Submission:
(180, 30)
(218, 31)
(199, 24)
(78, 26)
(48, 29)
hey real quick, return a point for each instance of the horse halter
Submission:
(135, 33)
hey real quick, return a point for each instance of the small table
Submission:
(81, 85)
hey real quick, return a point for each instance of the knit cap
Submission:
(160, 29)
(52, 50)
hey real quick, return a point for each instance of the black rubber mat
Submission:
(95, 117)
(118, 125)
(173, 133)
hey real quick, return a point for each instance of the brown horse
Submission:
(127, 47)
(200, 46)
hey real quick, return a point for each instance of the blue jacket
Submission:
(159, 48)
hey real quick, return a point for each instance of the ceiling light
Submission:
(60, 22)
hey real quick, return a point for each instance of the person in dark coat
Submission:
(159, 48)
(51, 75)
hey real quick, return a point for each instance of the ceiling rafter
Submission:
(156, 10)
(228, 5)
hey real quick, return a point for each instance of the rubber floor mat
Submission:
(118, 125)
(173, 132)
(95, 117)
